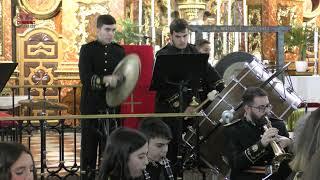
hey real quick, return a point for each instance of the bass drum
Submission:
(211, 135)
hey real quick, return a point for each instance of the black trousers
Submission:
(92, 138)
(94, 133)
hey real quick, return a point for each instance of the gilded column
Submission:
(6, 25)
(269, 14)
(270, 9)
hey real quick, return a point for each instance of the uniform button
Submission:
(106, 46)
(105, 53)
(106, 62)
(105, 70)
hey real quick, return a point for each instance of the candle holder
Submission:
(316, 45)
(191, 8)
(315, 68)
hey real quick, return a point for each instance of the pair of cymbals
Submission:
(129, 69)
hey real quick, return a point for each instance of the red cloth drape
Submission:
(141, 100)
(6, 123)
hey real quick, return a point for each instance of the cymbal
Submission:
(129, 68)
(39, 104)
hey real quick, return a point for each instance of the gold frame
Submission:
(45, 14)
(21, 52)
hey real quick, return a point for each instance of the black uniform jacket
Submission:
(96, 60)
(244, 149)
(211, 81)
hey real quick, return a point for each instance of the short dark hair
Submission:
(207, 13)
(106, 19)
(178, 25)
(155, 128)
(9, 154)
(252, 92)
(175, 15)
(201, 42)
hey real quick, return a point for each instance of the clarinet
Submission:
(146, 175)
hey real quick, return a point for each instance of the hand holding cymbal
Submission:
(113, 81)
(123, 80)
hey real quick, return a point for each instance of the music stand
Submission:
(171, 69)
(6, 70)
(180, 70)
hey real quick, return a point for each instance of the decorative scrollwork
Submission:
(41, 9)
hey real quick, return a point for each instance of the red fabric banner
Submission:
(6, 123)
(141, 100)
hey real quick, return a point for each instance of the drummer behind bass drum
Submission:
(167, 100)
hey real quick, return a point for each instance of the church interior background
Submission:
(44, 37)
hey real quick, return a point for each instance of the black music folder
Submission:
(6, 70)
(187, 68)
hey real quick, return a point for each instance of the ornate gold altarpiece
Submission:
(47, 52)
(39, 52)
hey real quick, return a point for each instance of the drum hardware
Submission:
(275, 74)
(194, 159)
(173, 101)
(194, 102)
(252, 74)
(228, 91)
(192, 130)
(206, 117)
(280, 154)
(211, 95)
(226, 118)
(238, 82)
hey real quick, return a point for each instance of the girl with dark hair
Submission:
(16, 162)
(125, 156)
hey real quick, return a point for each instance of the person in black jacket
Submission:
(159, 135)
(167, 99)
(98, 60)
(248, 149)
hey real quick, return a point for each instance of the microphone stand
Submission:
(180, 125)
(196, 151)
(182, 84)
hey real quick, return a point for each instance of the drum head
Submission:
(232, 64)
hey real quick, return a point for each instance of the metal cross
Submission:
(132, 102)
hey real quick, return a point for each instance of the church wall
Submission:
(6, 31)
(47, 50)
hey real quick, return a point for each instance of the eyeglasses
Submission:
(263, 108)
